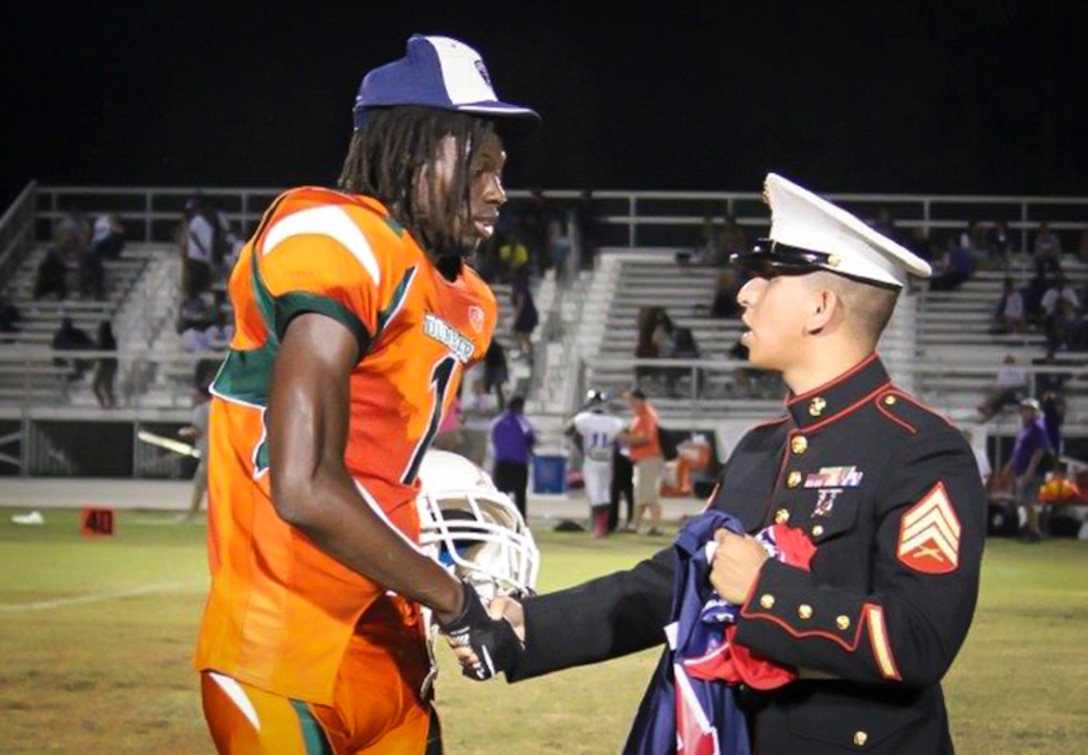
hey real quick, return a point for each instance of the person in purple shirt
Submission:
(1031, 451)
(513, 438)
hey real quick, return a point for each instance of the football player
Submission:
(355, 319)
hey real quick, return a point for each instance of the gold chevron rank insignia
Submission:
(929, 534)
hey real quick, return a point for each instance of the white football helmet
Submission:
(473, 529)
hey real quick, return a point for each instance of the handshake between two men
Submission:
(492, 639)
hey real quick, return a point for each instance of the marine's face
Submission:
(476, 222)
(774, 313)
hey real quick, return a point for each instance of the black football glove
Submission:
(493, 641)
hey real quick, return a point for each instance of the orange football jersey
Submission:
(280, 612)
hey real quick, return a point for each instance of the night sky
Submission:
(973, 96)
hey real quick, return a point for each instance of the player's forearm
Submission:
(329, 511)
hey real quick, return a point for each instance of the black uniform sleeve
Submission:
(604, 618)
(931, 514)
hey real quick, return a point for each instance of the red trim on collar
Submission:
(834, 381)
(848, 410)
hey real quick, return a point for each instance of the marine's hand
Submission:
(484, 640)
(736, 565)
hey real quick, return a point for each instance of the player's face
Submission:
(477, 221)
(774, 313)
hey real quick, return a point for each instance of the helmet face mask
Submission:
(474, 530)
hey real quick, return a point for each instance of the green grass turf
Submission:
(97, 635)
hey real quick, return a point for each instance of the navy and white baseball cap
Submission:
(437, 72)
(809, 233)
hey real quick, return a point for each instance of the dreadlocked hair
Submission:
(388, 154)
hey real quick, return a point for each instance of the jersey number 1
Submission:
(441, 376)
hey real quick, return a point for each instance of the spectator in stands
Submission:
(496, 372)
(1010, 315)
(210, 245)
(1058, 292)
(974, 240)
(588, 223)
(10, 316)
(999, 245)
(51, 276)
(1010, 387)
(218, 334)
(884, 223)
(645, 348)
(92, 274)
(1052, 405)
(109, 236)
(70, 338)
(732, 239)
(684, 347)
(106, 370)
(513, 255)
(194, 314)
(525, 318)
(957, 268)
(708, 250)
(558, 246)
(1028, 465)
(724, 304)
(1049, 382)
(71, 235)
(1033, 296)
(197, 248)
(1065, 329)
(664, 334)
(1047, 249)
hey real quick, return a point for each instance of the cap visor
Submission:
(511, 118)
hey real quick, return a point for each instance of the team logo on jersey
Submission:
(834, 477)
(929, 534)
(441, 331)
(476, 318)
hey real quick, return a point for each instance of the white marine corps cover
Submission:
(473, 529)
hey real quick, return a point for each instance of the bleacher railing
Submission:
(708, 379)
(668, 219)
(43, 378)
(17, 231)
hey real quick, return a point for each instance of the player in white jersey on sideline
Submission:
(598, 429)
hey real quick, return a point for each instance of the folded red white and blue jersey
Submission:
(690, 705)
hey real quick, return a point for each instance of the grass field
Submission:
(96, 636)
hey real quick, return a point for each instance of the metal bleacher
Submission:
(942, 350)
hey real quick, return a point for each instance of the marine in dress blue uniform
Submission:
(886, 489)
